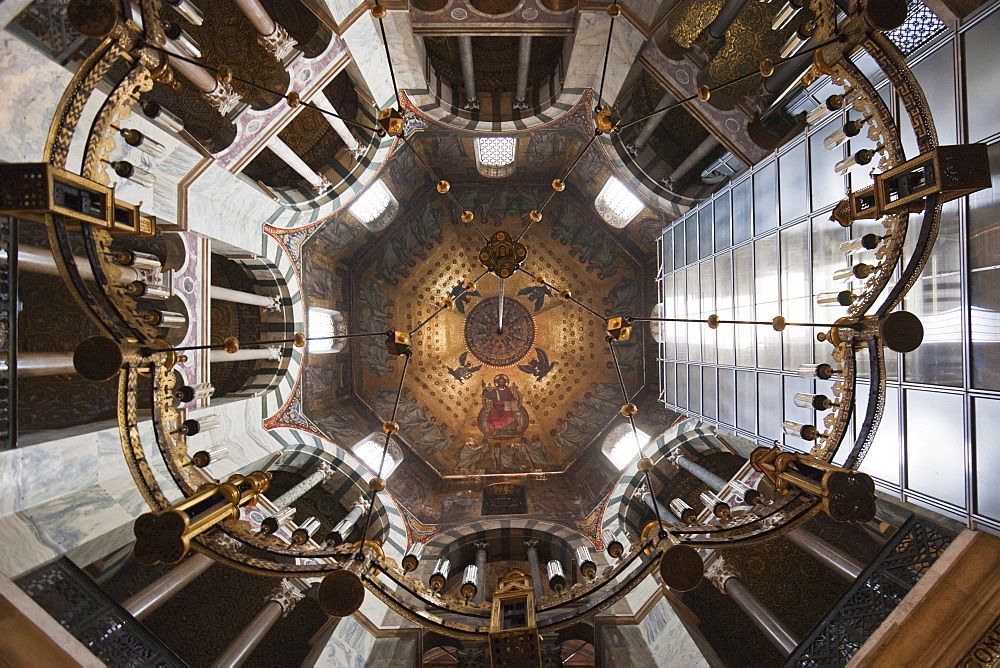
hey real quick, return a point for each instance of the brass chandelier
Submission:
(798, 486)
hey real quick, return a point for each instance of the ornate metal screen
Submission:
(903, 561)
(103, 626)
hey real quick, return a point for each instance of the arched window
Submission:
(616, 203)
(375, 207)
(369, 451)
(496, 157)
(322, 322)
(620, 446)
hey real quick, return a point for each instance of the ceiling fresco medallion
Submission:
(491, 345)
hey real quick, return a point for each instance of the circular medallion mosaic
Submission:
(487, 343)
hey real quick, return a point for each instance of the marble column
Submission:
(711, 40)
(468, 73)
(272, 36)
(34, 365)
(272, 353)
(145, 602)
(277, 605)
(268, 302)
(838, 561)
(323, 472)
(651, 124)
(318, 182)
(220, 95)
(480, 572)
(523, 61)
(714, 482)
(660, 510)
(40, 261)
(534, 570)
(149, 599)
(321, 101)
(841, 563)
(716, 30)
(725, 579)
(697, 155)
(787, 72)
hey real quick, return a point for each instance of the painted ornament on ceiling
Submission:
(502, 415)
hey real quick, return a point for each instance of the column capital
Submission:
(279, 43)
(322, 185)
(287, 595)
(718, 571)
(275, 303)
(327, 470)
(223, 97)
(481, 546)
(530, 544)
(362, 503)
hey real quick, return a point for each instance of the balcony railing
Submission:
(876, 593)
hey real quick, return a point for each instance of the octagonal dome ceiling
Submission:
(527, 408)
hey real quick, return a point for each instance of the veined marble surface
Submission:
(32, 86)
(348, 647)
(179, 160)
(240, 429)
(58, 495)
(586, 61)
(221, 206)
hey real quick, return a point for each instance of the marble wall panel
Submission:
(364, 42)
(348, 647)
(586, 60)
(668, 640)
(221, 206)
(32, 86)
(161, 199)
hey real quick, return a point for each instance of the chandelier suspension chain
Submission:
(443, 307)
(569, 296)
(635, 433)
(385, 45)
(359, 556)
(750, 322)
(286, 96)
(607, 50)
(563, 179)
(435, 178)
(731, 82)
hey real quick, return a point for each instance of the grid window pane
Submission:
(765, 199)
(723, 233)
(742, 211)
(827, 185)
(934, 445)
(794, 186)
(727, 396)
(936, 299)
(984, 279)
(706, 226)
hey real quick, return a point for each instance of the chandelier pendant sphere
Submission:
(503, 254)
